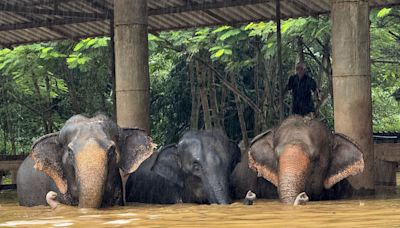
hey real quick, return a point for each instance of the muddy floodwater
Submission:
(342, 213)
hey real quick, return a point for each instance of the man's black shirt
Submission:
(301, 92)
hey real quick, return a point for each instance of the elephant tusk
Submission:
(301, 199)
(249, 199)
(51, 199)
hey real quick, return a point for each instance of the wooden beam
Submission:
(22, 9)
(387, 151)
(55, 29)
(47, 2)
(303, 7)
(43, 23)
(216, 16)
(205, 6)
(101, 5)
(10, 45)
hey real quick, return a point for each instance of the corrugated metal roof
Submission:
(27, 21)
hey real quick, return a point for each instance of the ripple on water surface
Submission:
(348, 213)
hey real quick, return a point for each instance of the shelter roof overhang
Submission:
(28, 21)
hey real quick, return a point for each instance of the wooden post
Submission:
(112, 49)
(279, 57)
(131, 64)
(352, 80)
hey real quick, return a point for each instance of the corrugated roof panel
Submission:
(252, 12)
(263, 13)
(180, 14)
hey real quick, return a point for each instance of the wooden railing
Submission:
(10, 163)
(387, 160)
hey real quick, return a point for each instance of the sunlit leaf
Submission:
(384, 12)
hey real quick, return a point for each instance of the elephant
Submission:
(302, 155)
(196, 170)
(86, 163)
(244, 179)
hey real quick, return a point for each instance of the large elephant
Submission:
(195, 171)
(86, 163)
(302, 155)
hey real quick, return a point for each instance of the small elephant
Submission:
(86, 163)
(195, 171)
(244, 179)
(302, 155)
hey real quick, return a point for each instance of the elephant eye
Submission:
(111, 149)
(196, 167)
(70, 151)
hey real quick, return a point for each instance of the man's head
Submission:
(300, 69)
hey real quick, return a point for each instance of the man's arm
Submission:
(288, 86)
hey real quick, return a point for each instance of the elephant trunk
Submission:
(294, 166)
(91, 167)
(218, 191)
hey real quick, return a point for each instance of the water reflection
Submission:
(350, 213)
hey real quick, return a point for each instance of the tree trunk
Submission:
(300, 52)
(47, 113)
(201, 76)
(223, 103)
(240, 111)
(213, 100)
(5, 136)
(73, 97)
(194, 117)
(279, 59)
(259, 117)
(10, 131)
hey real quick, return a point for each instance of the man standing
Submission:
(301, 86)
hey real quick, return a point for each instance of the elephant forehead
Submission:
(192, 148)
(300, 144)
(85, 127)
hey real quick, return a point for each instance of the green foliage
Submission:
(385, 70)
(386, 115)
(44, 84)
(38, 81)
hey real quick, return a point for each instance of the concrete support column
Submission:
(131, 64)
(352, 80)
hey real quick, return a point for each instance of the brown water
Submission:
(349, 213)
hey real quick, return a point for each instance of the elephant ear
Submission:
(135, 147)
(47, 155)
(168, 165)
(262, 158)
(346, 160)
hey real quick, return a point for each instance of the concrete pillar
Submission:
(352, 80)
(131, 64)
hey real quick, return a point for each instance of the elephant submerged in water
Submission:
(194, 171)
(302, 155)
(85, 164)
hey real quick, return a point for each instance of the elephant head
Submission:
(302, 155)
(200, 165)
(86, 157)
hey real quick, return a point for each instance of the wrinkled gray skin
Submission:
(82, 163)
(195, 171)
(302, 155)
(147, 186)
